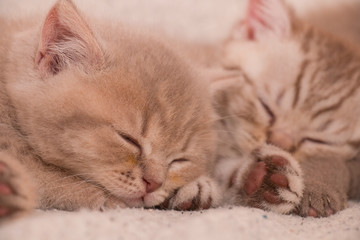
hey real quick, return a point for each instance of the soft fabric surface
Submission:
(223, 223)
(198, 20)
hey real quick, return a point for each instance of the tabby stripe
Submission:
(280, 97)
(299, 79)
(241, 72)
(307, 40)
(314, 75)
(339, 79)
(246, 78)
(336, 105)
(342, 129)
(332, 89)
(326, 95)
(355, 144)
(326, 125)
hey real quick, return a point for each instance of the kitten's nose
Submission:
(151, 185)
(282, 140)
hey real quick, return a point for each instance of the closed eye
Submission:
(179, 160)
(268, 111)
(129, 139)
(314, 140)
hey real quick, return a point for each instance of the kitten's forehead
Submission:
(265, 59)
(271, 66)
(157, 96)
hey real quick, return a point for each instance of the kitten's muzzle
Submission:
(151, 184)
(282, 140)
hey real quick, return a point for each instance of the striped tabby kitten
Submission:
(289, 115)
(98, 118)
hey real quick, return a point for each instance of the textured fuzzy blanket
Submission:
(197, 20)
(223, 223)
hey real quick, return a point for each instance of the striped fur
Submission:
(297, 88)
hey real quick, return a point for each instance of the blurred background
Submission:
(196, 20)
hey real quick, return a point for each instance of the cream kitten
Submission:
(289, 115)
(99, 117)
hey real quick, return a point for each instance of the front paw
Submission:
(112, 202)
(202, 193)
(274, 182)
(320, 200)
(16, 192)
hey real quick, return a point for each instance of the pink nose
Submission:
(151, 185)
(282, 140)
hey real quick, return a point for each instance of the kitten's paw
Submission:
(16, 193)
(202, 193)
(272, 183)
(320, 201)
(112, 202)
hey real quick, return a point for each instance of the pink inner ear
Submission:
(264, 18)
(66, 40)
(255, 15)
(49, 31)
(49, 34)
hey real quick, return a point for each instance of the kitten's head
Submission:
(304, 84)
(118, 109)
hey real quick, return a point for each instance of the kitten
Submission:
(288, 115)
(99, 117)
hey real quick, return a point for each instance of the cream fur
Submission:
(82, 98)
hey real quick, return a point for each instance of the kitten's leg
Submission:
(17, 195)
(70, 192)
(271, 180)
(53, 187)
(327, 182)
(202, 193)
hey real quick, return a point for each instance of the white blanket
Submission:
(222, 223)
(207, 20)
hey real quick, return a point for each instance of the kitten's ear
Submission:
(264, 19)
(65, 40)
